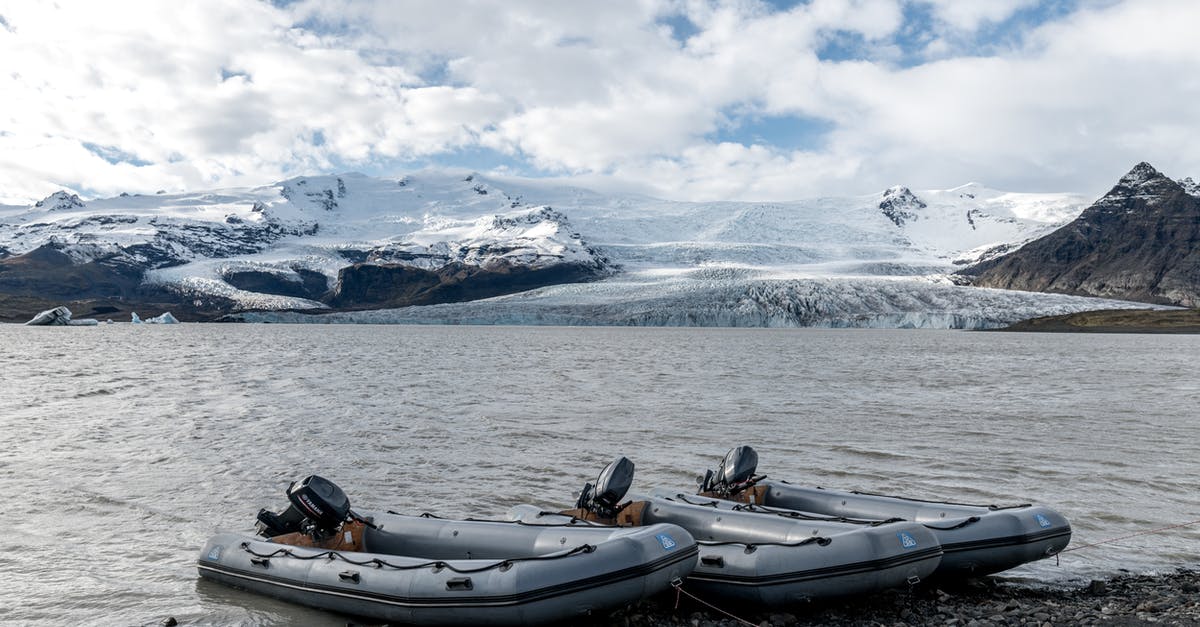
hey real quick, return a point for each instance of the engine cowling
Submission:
(735, 473)
(603, 499)
(318, 508)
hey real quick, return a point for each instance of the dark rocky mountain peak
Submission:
(1144, 181)
(1141, 173)
(1140, 241)
(900, 205)
(1190, 186)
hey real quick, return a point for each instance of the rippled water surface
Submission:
(124, 447)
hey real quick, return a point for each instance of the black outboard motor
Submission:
(318, 509)
(736, 473)
(603, 499)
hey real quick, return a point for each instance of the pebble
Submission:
(1122, 600)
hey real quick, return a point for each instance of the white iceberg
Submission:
(59, 317)
(165, 318)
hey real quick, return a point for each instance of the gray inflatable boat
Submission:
(976, 539)
(432, 571)
(772, 561)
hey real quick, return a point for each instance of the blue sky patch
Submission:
(1010, 33)
(681, 27)
(921, 27)
(114, 155)
(437, 72)
(323, 27)
(785, 132)
(917, 31)
(471, 158)
(227, 74)
(843, 46)
(785, 5)
(482, 159)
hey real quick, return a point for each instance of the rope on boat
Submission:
(706, 503)
(1132, 535)
(678, 585)
(798, 515)
(994, 508)
(785, 513)
(753, 546)
(964, 523)
(572, 522)
(435, 565)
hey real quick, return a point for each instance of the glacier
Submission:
(829, 302)
(875, 260)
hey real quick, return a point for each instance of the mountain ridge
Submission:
(1140, 241)
(354, 242)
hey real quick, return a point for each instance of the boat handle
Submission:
(459, 583)
(265, 562)
(713, 560)
(348, 575)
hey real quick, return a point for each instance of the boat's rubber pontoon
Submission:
(773, 561)
(976, 539)
(428, 570)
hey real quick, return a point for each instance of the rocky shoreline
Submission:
(1169, 599)
(1115, 321)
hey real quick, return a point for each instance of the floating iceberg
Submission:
(59, 317)
(165, 318)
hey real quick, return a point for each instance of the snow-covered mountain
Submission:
(354, 242)
(287, 245)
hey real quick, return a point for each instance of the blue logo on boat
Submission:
(666, 541)
(215, 553)
(906, 540)
(1042, 520)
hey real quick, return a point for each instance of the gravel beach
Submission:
(1169, 599)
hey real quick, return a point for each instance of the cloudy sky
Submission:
(689, 99)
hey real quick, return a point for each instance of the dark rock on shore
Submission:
(19, 309)
(1172, 599)
(1115, 321)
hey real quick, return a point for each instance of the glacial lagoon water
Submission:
(125, 446)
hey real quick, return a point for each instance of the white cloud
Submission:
(223, 92)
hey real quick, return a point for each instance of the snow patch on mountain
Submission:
(1141, 174)
(900, 205)
(202, 288)
(60, 201)
(965, 222)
